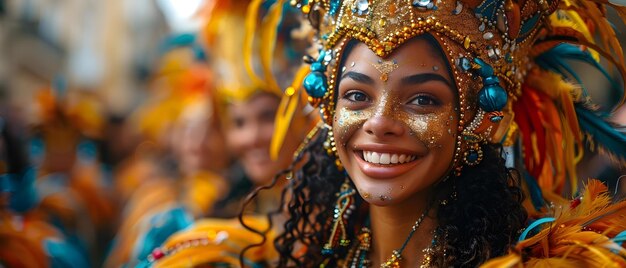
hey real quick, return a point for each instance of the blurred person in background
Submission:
(63, 190)
(179, 170)
(26, 238)
(251, 109)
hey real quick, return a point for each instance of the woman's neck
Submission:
(391, 226)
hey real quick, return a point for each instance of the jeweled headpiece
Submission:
(509, 59)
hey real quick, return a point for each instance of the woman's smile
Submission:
(381, 161)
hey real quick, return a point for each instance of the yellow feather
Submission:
(268, 43)
(510, 260)
(248, 43)
(286, 111)
(553, 263)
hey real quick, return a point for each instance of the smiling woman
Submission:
(394, 130)
(382, 121)
(422, 103)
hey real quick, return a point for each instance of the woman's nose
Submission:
(383, 126)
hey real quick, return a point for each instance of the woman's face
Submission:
(395, 121)
(249, 134)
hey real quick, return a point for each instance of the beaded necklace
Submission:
(357, 256)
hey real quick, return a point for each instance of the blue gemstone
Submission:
(465, 64)
(496, 119)
(423, 4)
(327, 251)
(491, 80)
(315, 84)
(334, 7)
(492, 98)
(318, 67)
(486, 70)
(472, 156)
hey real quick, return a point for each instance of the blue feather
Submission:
(556, 59)
(610, 137)
(536, 197)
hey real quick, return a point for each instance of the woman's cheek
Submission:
(431, 129)
(347, 122)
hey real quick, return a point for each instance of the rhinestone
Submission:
(423, 3)
(488, 35)
(458, 9)
(481, 27)
(465, 64)
(362, 7)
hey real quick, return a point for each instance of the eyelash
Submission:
(350, 96)
(432, 100)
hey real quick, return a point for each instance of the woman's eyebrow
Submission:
(359, 77)
(423, 78)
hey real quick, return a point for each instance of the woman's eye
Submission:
(356, 96)
(424, 100)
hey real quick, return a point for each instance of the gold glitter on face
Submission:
(412, 114)
(427, 128)
(385, 67)
(348, 121)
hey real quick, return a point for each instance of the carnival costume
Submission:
(214, 242)
(58, 204)
(511, 62)
(159, 201)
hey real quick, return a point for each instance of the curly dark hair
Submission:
(480, 223)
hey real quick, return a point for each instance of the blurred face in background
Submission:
(249, 134)
(198, 140)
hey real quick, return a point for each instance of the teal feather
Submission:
(610, 137)
(536, 197)
(63, 254)
(556, 60)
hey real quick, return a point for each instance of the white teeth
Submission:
(394, 159)
(375, 158)
(386, 158)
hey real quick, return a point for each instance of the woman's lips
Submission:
(384, 163)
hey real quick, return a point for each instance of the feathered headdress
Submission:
(270, 56)
(511, 61)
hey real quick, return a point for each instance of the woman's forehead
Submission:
(414, 57)
(418, 50)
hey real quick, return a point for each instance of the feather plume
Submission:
(580, 235)
(603, 136)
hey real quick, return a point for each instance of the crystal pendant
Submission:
(361, 7)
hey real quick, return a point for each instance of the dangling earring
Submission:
(331, 147)
(343, 209)
(473, 155)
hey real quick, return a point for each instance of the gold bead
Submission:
(306, 9)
